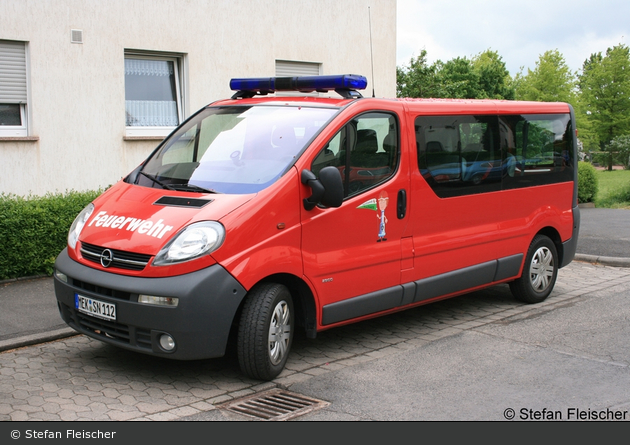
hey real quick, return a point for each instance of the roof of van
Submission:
(449, 106)
(483, 106)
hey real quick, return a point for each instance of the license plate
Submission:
(95, 308)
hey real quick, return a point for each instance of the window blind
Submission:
(289, 68)
(12, 72)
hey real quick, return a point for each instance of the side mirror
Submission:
(327, 190)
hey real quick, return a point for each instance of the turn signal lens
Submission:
(158, 301)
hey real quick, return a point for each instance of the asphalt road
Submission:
(562, 359)
(604, 232)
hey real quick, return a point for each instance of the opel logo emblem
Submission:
(106, 258)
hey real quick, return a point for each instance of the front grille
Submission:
(114, 331)
(119, 258)
(105, 291)
(143, 338)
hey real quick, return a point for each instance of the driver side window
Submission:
(365, 151)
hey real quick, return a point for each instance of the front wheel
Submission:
(539, 272)
(265, 331)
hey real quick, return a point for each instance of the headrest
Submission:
(367, 141)
(389, 143)
(434, 147)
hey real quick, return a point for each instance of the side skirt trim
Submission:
(421, 290)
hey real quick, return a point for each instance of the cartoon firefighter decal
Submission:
(378, 205)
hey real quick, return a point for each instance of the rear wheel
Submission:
(539, 272)
(265, 331)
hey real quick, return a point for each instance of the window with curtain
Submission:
(153, 104)
(13, 94)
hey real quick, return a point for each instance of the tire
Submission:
(265, 331)
(539, 272)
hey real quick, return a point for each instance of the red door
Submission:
(352, 254)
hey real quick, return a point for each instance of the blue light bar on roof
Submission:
(304, 84)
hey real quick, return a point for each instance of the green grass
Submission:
(614, 189)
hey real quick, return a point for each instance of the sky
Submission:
(519, 31)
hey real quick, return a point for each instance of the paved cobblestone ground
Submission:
(83, 379)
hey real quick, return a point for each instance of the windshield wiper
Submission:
(190, 188)
(178, 187)
(156, 180)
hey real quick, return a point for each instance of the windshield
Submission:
(234, 150)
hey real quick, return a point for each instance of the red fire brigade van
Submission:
(261, 215)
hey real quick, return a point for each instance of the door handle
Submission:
(401, 207)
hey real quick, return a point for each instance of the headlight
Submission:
(194, 241)
(77, 225)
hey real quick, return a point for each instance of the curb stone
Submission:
(34, 339)
(13, 280)
(603, 260)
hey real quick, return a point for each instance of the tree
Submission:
(550, 81)
(621, 146)
(457, 79)
(494, 78)
(605, 95)
(417, 79)
(484, 76)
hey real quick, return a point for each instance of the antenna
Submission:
(371, 49)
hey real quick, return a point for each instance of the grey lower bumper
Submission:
(200, 324)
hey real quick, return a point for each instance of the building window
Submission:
(153, 94)
(13, 95)
(290, 68)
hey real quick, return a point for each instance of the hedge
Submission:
(587, 182)
(33, 230)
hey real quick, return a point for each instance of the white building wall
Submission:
(76, 91)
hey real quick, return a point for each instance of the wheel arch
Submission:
(303, 302)
(554, 236)
(540, 268)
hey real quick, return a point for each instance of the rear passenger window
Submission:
(365, 151)
(459, 155)
(464, 155)
(538, 149)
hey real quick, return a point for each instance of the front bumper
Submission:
(200, 324)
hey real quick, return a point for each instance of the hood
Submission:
(140, 219)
